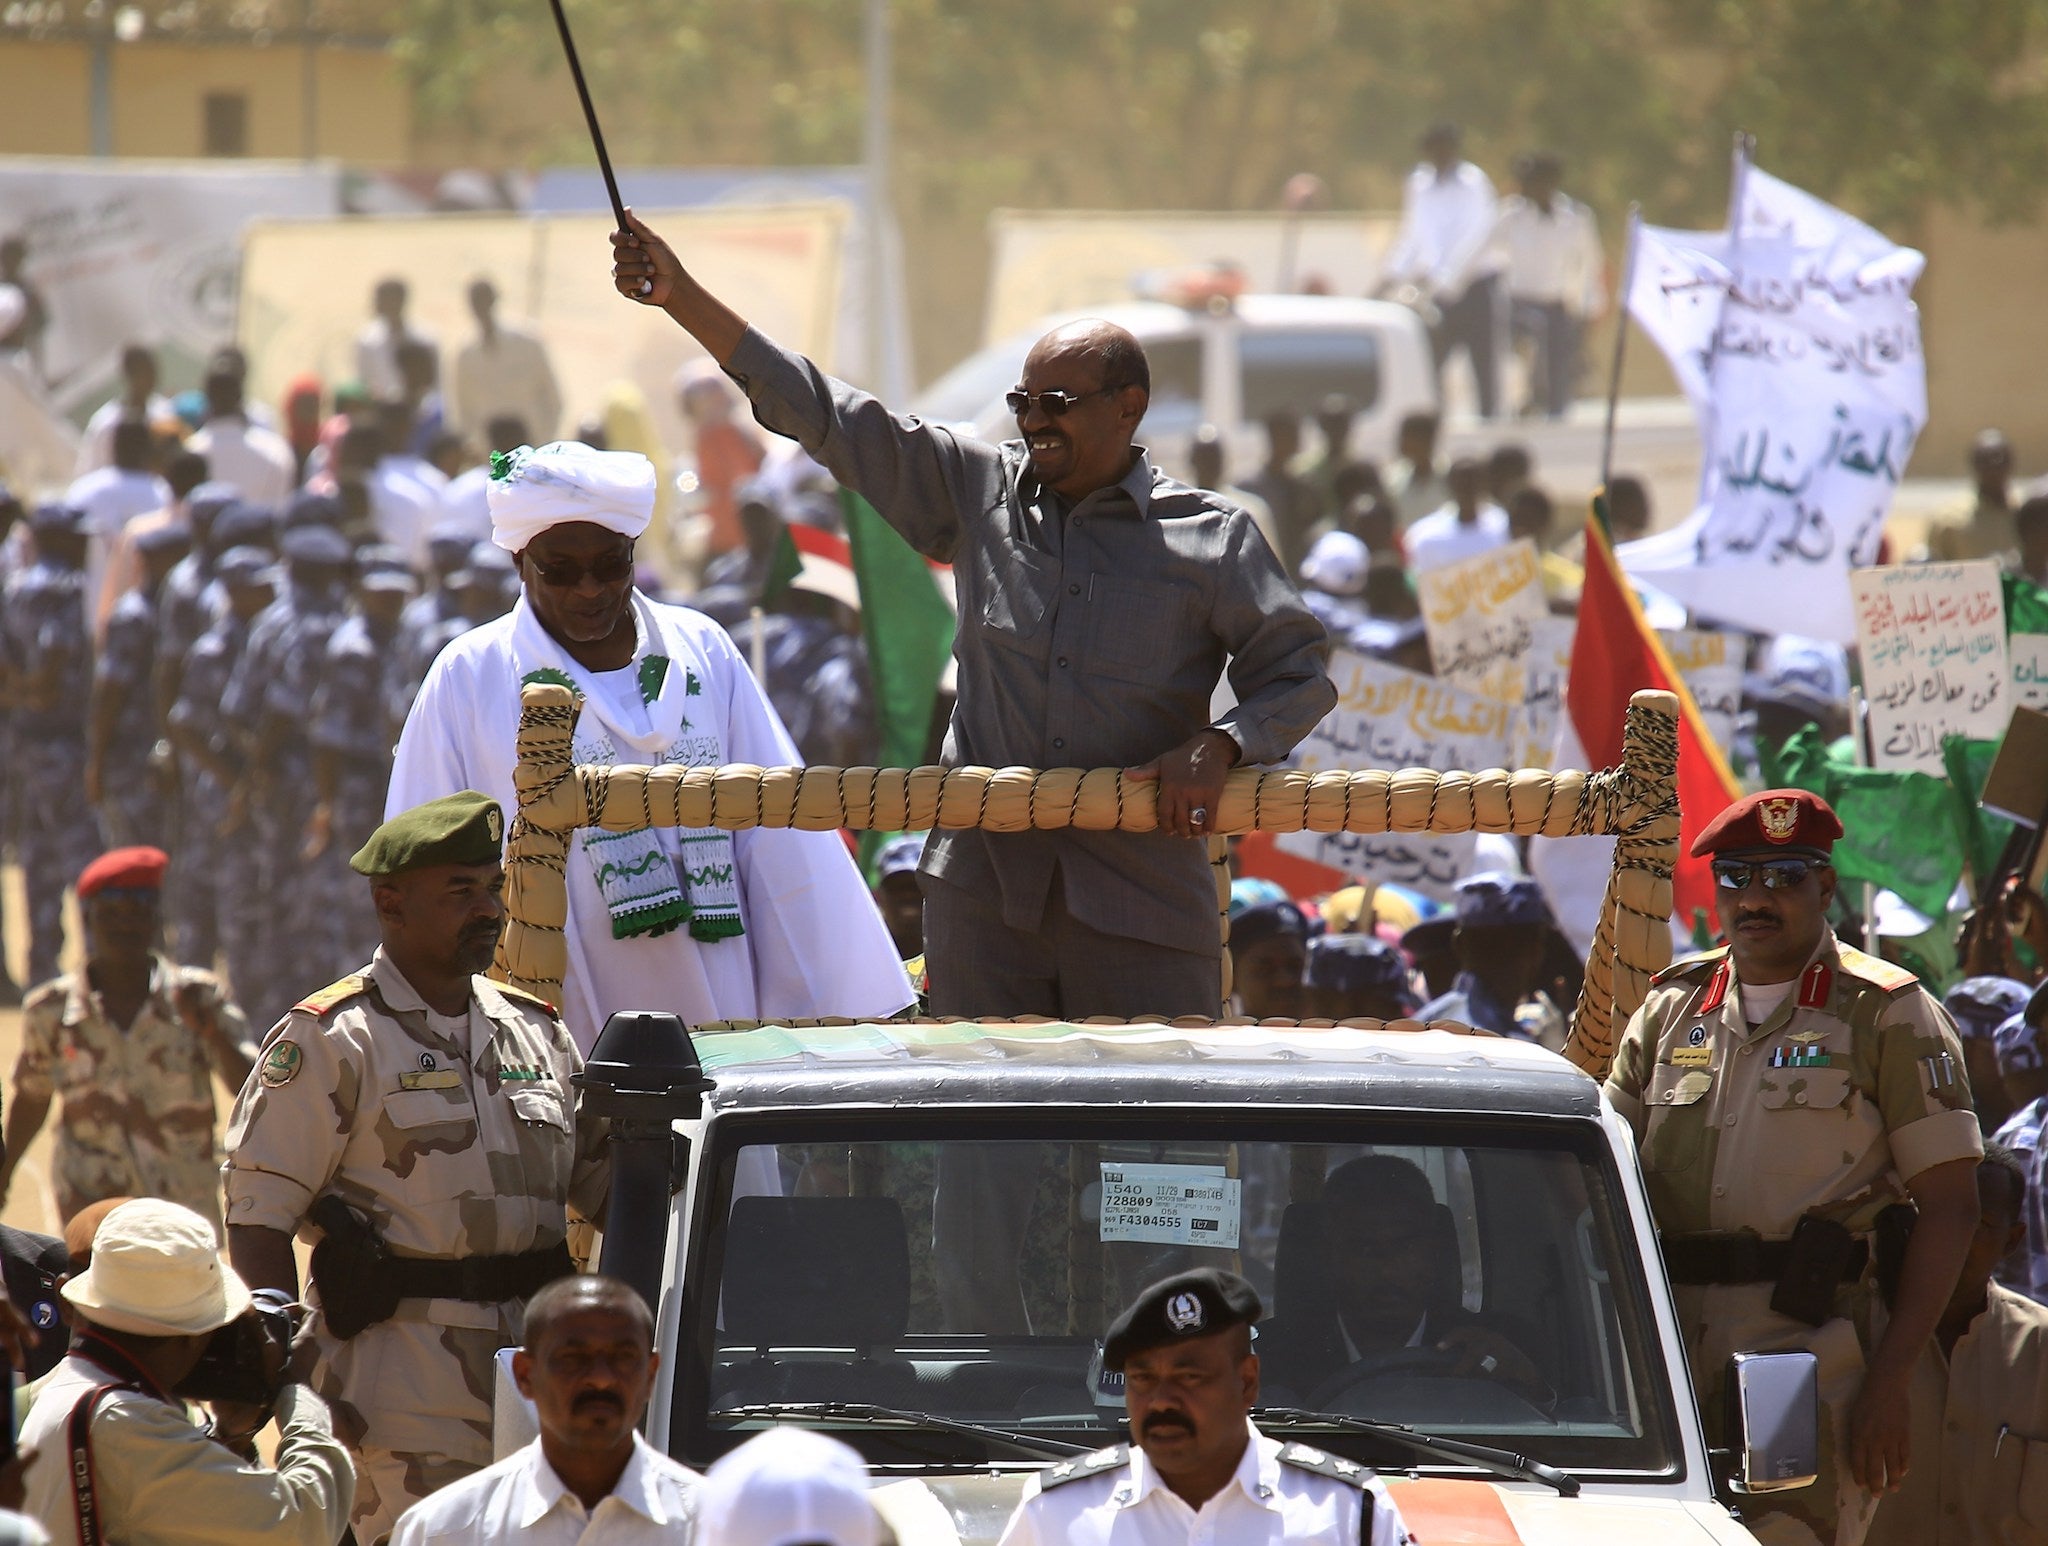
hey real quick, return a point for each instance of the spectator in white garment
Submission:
(138, 400)
(786, 1486)
(1446, 250)
(1556, 279)
(502, 371)
(588, 1366)
(1414, 482)
(1467, 525)
(401, 508)
(466, 499)
(116, 494)
(256, 460)
(377, 345)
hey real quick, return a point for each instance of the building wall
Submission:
(363, 108)
(1985, 328)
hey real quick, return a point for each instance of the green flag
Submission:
(2026, 605)
(908, 625)
(1901, 830)
(1983, 834)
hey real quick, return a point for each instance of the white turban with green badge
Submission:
(534, 488)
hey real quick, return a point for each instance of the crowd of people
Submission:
(251, 661)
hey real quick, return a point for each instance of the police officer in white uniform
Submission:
(1201, 1472)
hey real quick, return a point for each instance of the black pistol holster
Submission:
(1819, 1258)
(351, 1268)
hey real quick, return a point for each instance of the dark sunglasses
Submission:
(1777, 874)
(1057, 404)
(565, 574)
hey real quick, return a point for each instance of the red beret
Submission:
(123, 867)
(1772, 818)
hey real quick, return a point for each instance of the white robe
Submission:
(814, 943)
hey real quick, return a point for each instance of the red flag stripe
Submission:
(1615, 653)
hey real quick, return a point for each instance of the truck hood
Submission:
(972, 1510)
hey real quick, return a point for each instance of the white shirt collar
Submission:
(1257, 1475)
(541, 1490)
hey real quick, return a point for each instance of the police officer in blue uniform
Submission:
(126, 781)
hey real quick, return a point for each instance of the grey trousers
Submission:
(979, 965)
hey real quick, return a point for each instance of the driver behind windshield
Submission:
(1391, 1300)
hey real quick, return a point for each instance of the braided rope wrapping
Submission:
(1636, 802)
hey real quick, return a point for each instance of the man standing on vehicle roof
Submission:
(1200, 1471)
(1099, 601)
(422, 1119)
(1785, 1091)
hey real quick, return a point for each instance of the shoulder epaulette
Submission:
(1687, 966)
(1875, 970)
(1304, 1458)
(332, 996)
(1104, 1462)
(525, 997)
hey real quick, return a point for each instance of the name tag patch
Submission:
(1692, 1057)
(430, 1079)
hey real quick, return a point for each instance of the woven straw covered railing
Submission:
(1636, 803)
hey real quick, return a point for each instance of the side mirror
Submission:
(1774, 1420)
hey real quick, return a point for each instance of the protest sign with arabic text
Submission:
(1932, 640)
(1389, 718)
(1481, 614)
(1711, 664)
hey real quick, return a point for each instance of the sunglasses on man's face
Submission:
(1776, 874)
(567, 573)
(1056, 404)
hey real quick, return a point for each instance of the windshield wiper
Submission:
(1505, 1462)
(863, 1412)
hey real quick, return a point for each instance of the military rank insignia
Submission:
(1941, 1071)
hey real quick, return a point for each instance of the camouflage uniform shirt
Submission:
(457, 1137)
(138, 1113)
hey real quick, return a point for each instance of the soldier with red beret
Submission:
(132, 1043)
(1785, 1090)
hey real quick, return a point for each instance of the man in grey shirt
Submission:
(1099, 603)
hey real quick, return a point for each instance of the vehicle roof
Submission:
(963, 1063)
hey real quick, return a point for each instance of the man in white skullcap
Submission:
(788, 1486)
(705, 924)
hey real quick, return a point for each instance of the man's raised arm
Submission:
(920, 477)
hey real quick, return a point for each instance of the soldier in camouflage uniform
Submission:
(265, 706)
(49, 650)
(132, 1044)
(352, 735)
(125, 780)
(439, 1105)
(1787, 1082)
(221, 872)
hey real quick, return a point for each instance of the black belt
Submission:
(481, 1279)
(1741, 1258)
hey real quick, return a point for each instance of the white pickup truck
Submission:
(809, 1208)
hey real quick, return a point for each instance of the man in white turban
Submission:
(705, 924)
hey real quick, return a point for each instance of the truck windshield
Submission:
(1481, 1283)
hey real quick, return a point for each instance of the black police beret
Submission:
(1188, 1304)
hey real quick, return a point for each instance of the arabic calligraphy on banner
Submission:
(1711, 665)
(1481, 615)
(1549, 663)
(1389, 718)
(1798, 342)
(2029, 653)
(1932, 639)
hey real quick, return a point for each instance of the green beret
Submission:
(465, 828)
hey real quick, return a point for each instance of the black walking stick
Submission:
(604, 161)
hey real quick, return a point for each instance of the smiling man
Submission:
(703, 923)
(419, 1121)
(1200, 1471)
(587, 1363)
(1785, 1090)
(1099, 603)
